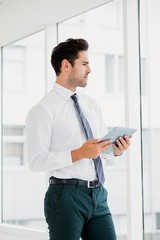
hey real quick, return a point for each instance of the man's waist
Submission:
(75, 182)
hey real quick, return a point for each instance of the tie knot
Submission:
(74, 98)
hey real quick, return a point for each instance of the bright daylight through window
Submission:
(23, 71)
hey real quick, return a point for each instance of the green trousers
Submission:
(74, 212)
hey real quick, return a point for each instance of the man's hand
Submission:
(90, 149)
(93, 148)
(122, 145)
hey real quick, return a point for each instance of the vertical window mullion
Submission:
(133, 119)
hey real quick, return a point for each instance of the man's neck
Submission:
(65, 84)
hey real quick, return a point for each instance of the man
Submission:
(63, 132)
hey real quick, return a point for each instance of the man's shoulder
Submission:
(43, 105)
(47, 101)
(48, 98)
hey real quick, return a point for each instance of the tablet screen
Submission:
(115, 133)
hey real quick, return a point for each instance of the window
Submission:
(121, 74)
(144, 76)
(110, 79)
(13, 145)
(150, 75)
(14, 68)
(109, 17)
(114, 68)
(23, 191)
(158, 221)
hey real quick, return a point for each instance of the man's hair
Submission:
(68, 50)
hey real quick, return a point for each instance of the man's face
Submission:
(79, 72)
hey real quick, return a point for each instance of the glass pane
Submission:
(144, 76)
(13, 154)
(104, 85)
(158, 221)
(14, 67)
(110, 79)
(150, 75)
(12, 131)
(23, 191)
(121, 74)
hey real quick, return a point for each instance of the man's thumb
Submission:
(94, 140)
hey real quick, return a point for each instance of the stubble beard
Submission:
(74, 83)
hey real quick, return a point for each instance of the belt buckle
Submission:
(88, 185)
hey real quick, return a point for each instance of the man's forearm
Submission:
(77, 155)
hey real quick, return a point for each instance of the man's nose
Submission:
(89, 69)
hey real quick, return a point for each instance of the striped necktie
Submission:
(89, 135)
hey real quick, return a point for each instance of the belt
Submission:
(76, 182)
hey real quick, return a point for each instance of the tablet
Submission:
(115, 133)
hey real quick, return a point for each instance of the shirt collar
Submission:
(62, 91)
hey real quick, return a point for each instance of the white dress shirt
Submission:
(53, 130)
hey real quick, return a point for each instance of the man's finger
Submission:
(105, 143)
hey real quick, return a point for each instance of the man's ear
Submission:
(65, 65)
